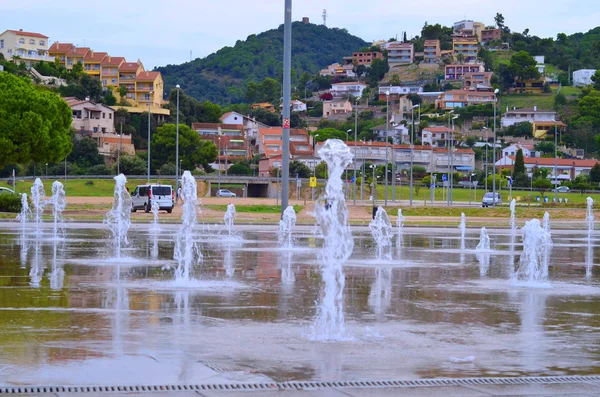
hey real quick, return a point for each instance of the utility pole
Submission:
(121, 120)
(287, 63)
(355, 136)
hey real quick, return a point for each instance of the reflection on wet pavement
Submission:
(69, 314)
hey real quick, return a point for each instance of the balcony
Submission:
(126, 77)
(144, 88)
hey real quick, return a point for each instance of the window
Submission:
(103, 130)
(2, 43)
(21, 41)
(103, 115)
(110, 116)
(42, 42)
(32, 41)
(103, 81)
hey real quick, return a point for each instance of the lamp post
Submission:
(412, 148)
(312, 189)
(496, 91)
(451, 176)
(555, 163)
(46, 170)
(362, 171)
(355, 136)
(449, 170)
(387, 132)
(374, 190)
(177, 143)
(121, 119)
(219, 162)
(149, 96)
(486, 155)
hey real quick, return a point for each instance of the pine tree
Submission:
(519, 168)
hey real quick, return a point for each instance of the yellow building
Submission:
(149, 88)
(466, 45)
(60, 50)
(109, 71)
(29, 47)
(75, 56)
(92, 61)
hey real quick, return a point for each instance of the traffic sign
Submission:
(313, 181)
(444, 178)
(286, 123)
(510, 181)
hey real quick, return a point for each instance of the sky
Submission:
(163, 32)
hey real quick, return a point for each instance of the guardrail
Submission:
(211, 178)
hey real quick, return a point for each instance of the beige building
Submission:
(29, 47)
(336, 107)
(431, 51)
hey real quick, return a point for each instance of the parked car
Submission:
(562, 189)
(225, 193)
(5, 190)
(489, 199)
(144, 195)
(465, 184)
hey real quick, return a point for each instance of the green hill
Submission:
(222, 76)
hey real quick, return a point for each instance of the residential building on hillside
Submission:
(431, 51)
(461, 98)
(295, 106)
(75, 56)
(514, 148)
(396, 92)
(29, 47)
(488, 35)
(365, 58)
(456, 71)
(398, 132)
(60, 50)
(560, 170)
(533, 86)
(400, 53)
(436, 136)
(543, 121)
(251, 125)
(331, 108)
(466, 45)
(347, 88)
(337, 70)
(539, 64)
(583, 77)
(109, 71)
(270, 148)
(96, 121)
(92, 61)
(149, 88)
(230, 140)
(263, 105)
(469, 27)
(478, 81)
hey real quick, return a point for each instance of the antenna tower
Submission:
(324, 17)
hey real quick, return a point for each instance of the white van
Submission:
(144, 195)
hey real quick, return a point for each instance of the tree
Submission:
(321, 170)
(35, 124)
(326, 96)
(595, 173)
(499, 19)
(519, 168)
(581, 183)
(460, 58)
(193, 151)
(542, 185)
(395, 80)
(329, 133)
(596, 79)
(471, 140)
(240, 169)
(85, 153)
(301, 169)
(546, 147)
(523, 66)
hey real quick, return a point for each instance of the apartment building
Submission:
(332, 108)
(251, 126)
(400, 53)
(365, 58)
(431, 51)
(270, 148)
(461, 98)
(230, 140)
(109, 71)
(544, 121)
(396, 92)
(457, 160)
(436, 136)
(75, 55)
(468, 26)
(337, 70)
(560, 170)
(149, 88)
(583, 77)
(92, 61)
(456, 71)
(466, 45)
(478, 81)
(29, 47)
(488, 35)
(60, 50)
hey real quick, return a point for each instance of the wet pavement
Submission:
(72, 314)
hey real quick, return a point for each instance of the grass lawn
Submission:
(78, 187)
(542, 101)
(462, 195)
(503, 212)
(568, 91)
(262, 209)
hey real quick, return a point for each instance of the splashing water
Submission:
(229, 219)
(400, 222)
(380, 297)
(25, 213)
(484, 262)
(513, 221)
(381, 230)
(118, 218)
(546, 223)
(37, 270)
(38, 199)
(286, 226)
(484, 240)
(57, 274)
(187, 252)
(59, 203)
(332, 216)
(533, 265)
(155, 208)
(463, 230)
(590, 218)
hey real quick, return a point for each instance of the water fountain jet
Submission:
(533, 268)
(187, 252)
(118, 218)
(286, 226)
(381, 230)
(463, 230)
(59, 203)
(484, 240)
(38, 199)
(229, 219)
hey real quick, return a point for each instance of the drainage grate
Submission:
(303, 385)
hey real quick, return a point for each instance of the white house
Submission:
(90, 117)
(531, 115)
(514, 148)
(400, 90)
(398, 132)
(347, 88)
(582, 77)
(436, 136)
(251, 126)
(30, 47)
(559, 169)
(295, 106)
(540, 66)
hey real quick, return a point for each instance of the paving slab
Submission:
(559, 389)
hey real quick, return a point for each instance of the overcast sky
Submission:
(164, 32)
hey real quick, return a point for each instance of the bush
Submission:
(10, 202)
(99, 169)
(167, 169)
(239, 169)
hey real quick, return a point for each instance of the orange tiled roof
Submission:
(438, 129)
(112, 61)
(456, 150)
(61, 48)
(30, 34)
(545, 161)
(82, 51)
(92, 56)
(147, 76)
(129, 67)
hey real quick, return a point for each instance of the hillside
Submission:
(222, 76)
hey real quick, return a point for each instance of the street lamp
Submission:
(177, 142)
(451, 176)
(496, 91)
(373, 191)
(312, 189)
(387, 132)
(149, 96)
(121, 120)
(412, 148)
(355, 136)
(486, 155)
(556, 163)
(362, 171)
(219, 162)
(46, 170)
